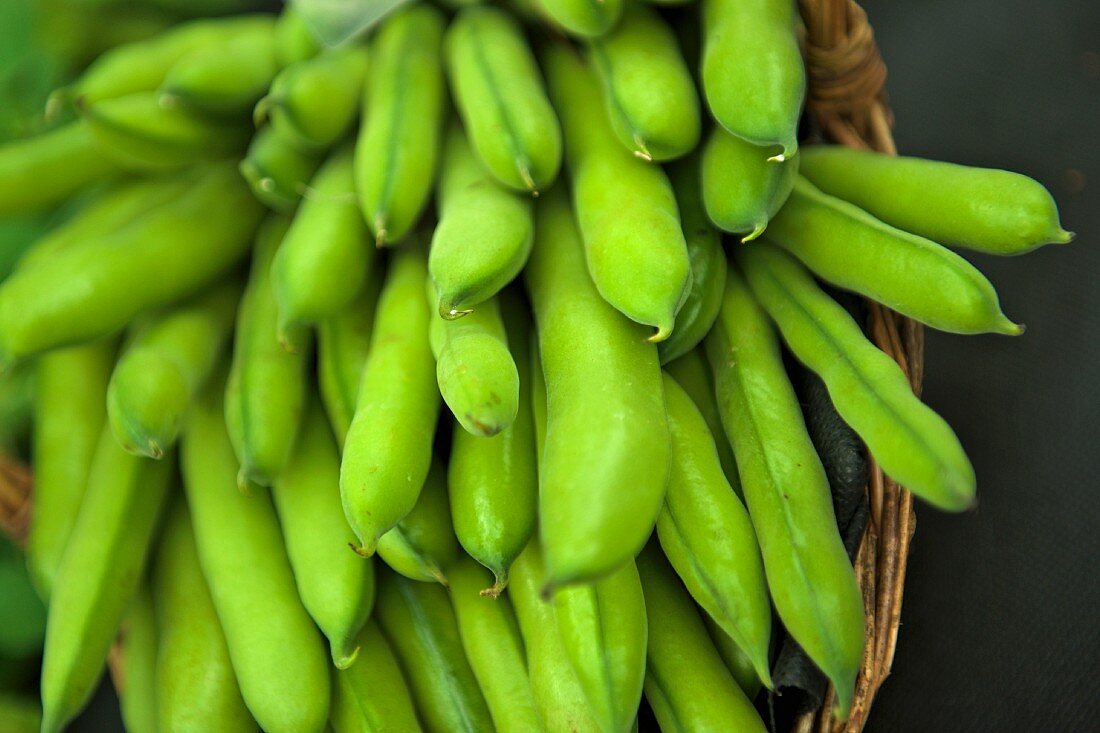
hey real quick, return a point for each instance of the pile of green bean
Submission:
(279, 261)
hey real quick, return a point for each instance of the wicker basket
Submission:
(848, 103)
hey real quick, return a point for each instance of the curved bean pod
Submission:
(422, 545)
(137, 699)
(583, 18)
(372, 696)
(294, 41)
(692, 372)
(742, 189)
(735, 659)
(278, 170)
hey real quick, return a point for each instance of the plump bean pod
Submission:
(753, 77)
(278, 170)
(708, 537)
(494, 481)
(388, 448)
(227, 77)
(607, 442)
(164, 366)
(294, 41)
(582, 18)
(284, 683)
(477, 375)
(140, 132)
(326, 254)
(686, 683)
(169, 254)
(420, 623)
(336, 585)
(538, 400)
(742, 189)
(912, 275)
(809, 575)
(266, 393)
(196, 688)
(398, 145)
(648, 89)
(137, 696)
(99, 573)
(708, 266)
(692, 372)
(912, 443)
(735, 659)
(484, 234)
(625, 207)
(490, 635)
(559, 697)
(41, 171)
(316, 102)
(69, 416)
(603, 629)
(343, 341)
(499, 94)
(371, 696)
(984, 209)
(422, 545)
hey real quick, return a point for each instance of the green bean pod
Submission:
(278, 170)
(911, 443)
(735, 659)
(388, 448)
(325, 255)
(422, 545)
(582, 18)
(912, 275)
(648, 90)
(372, 696)
(99, 573)
(753, 76)
(686, 683)
(266, 392)
(196, 689)
(336, 585)
(164, 366)
(625, 207)
(69, 417)
(490, 635)
(294, 40)
(499, 94)
(171, 253)
(809, 575)
(420, 623)
(278, 655)
(316, 102)
(708, 266)
(607, 442)
(398, 145)
(708, 537)
(603, 629)
(742, 189)
(484, 234)
(137, 697)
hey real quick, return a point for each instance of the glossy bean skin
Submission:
(399, 140)
(336, 585)
(372, 696)
(388, 448)
(692, 372)
(164, 366)
(582, 18)
(984, 209)
(708, 265)
(625, 207)
(910, 274)
(742, 189)
(137, 700)
(69, 416)
(484, 234)
(278, 170)
(686, 683)
(735, 659)
(490, 635)
(912, 443)
(809, 575)
(607, 442)
(99, 573)
(242, 555)
(648, 90)
(708, 537)
(420, 623)
(422, 545)
(326, 253)
(294, 41)
(197, 691)
(499, 93)
(266, 392)
(753, 77)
